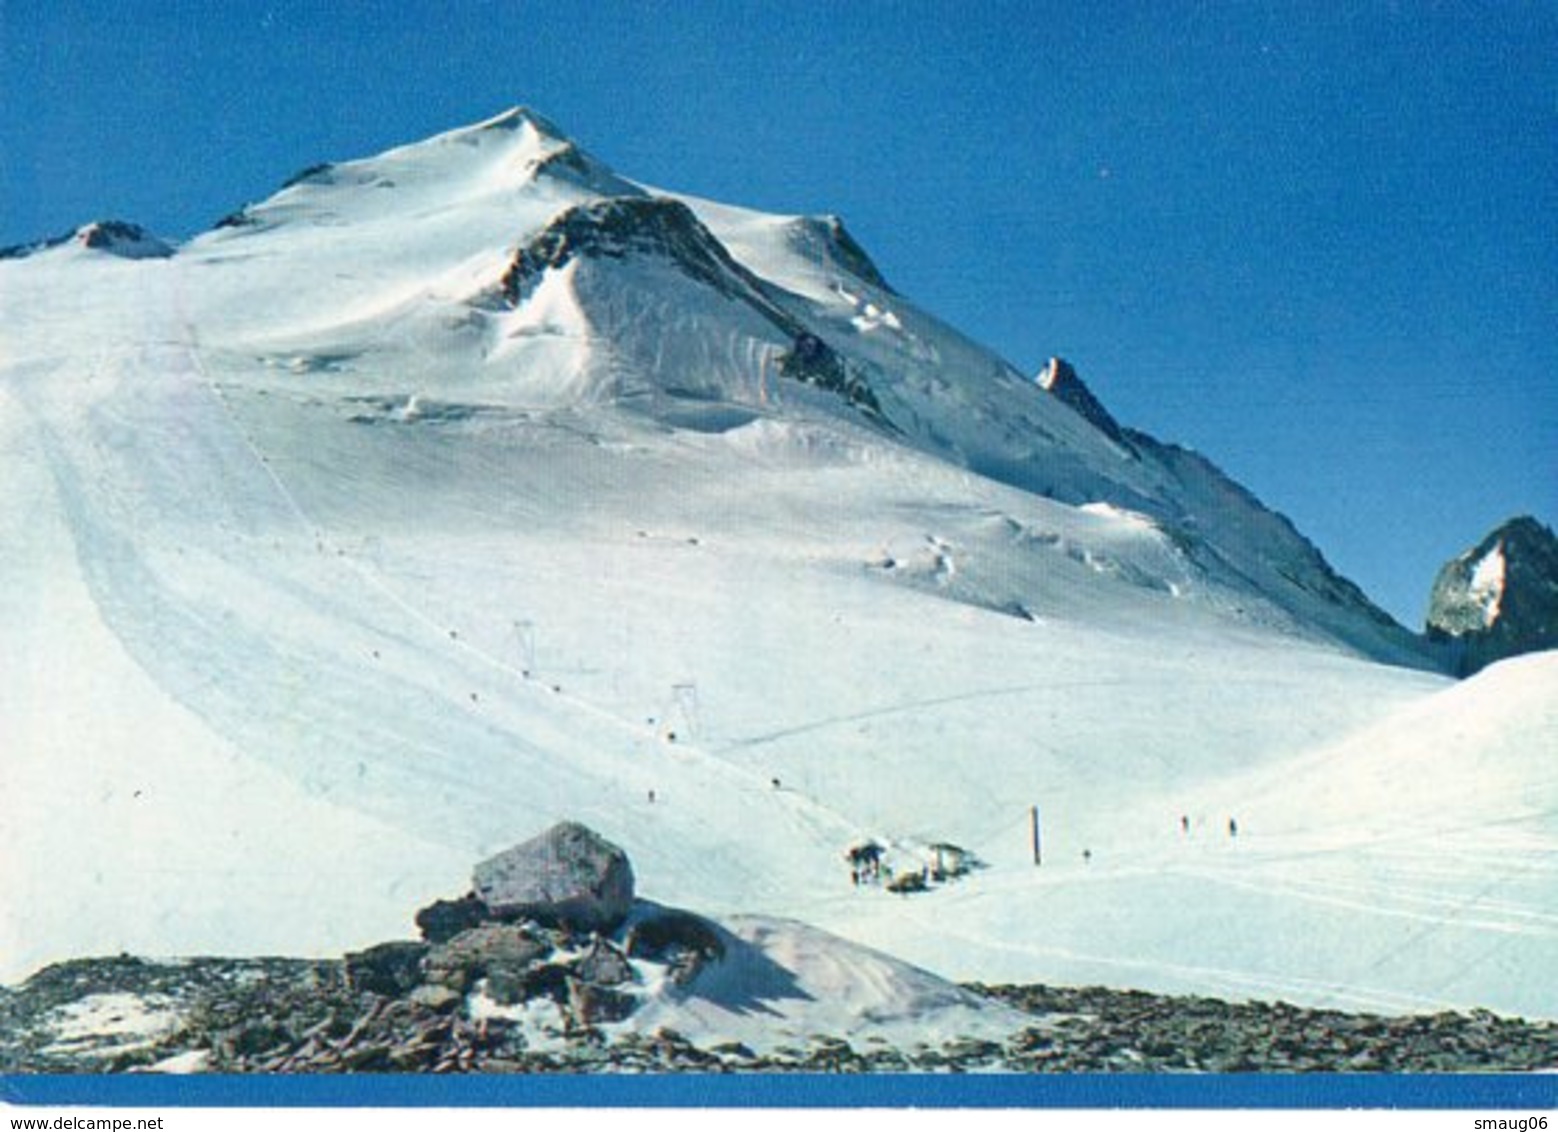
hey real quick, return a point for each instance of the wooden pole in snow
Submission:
(1033, 825)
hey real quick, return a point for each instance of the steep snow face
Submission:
(615, 293)
(956, 400)
(1500, 598)
(325, 519)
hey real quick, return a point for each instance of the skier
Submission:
(1184, 824)
(1233, 828)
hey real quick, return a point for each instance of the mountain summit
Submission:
(1500, 598)
(554, 282)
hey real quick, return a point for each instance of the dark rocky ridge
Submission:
(1060, 380)
(1479, 627)
(619, 227)
(315, 1016)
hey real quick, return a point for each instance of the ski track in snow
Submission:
(187, 654)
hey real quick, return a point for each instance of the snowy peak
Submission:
(1060, 379)
(543, 280)
(448, 479)
(122, 239)
(515, 118)
(825, 241)
(1500, 598)
(109, 237)
(491, 161)
(556, 155)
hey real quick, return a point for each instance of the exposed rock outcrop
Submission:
(1499, 599)
(685, 943)
(305, 1016)
(641, 226)
(618, 227)
(442, 920)
(1060, 380)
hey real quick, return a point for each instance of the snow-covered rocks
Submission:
(1500, 598)
(125, 240)
(569, 874)
(117, 238)
(623, 226)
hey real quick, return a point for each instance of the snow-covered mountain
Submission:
(1500, 598)
(471, 486)
(111, 237)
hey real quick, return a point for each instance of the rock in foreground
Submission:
(568, 875)
(300, 1016)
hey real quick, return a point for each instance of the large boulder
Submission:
(569, 875)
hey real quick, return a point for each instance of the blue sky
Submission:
(1317, 241)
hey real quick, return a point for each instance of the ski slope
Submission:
(329, 571)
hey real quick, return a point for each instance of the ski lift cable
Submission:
(194, 352)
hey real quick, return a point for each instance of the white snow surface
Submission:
(785, 983)
(115, 1020)
(1487, 584)
(328, 573)
(781, 983)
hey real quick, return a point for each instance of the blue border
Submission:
(737, 1090)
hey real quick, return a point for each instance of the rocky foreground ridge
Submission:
(306, 1016)
(550, 965)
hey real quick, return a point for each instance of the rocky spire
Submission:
(1060, 379)
(1500, 598)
